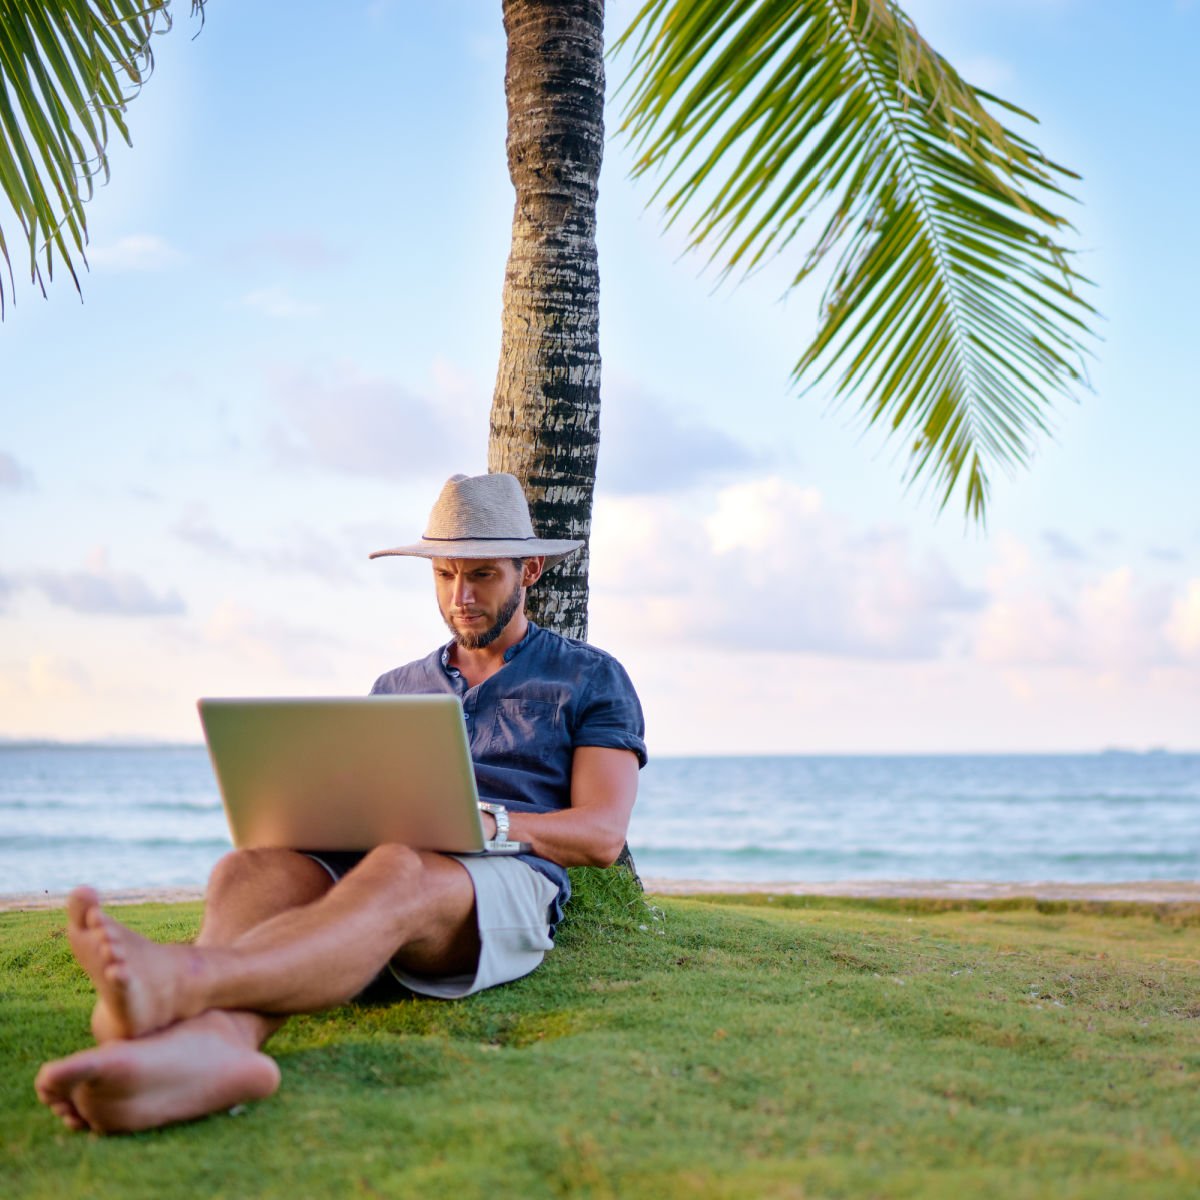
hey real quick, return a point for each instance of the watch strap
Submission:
(501, 815)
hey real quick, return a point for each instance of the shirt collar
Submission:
(509, 654)
(513, 651)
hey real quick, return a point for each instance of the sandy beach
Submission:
(1156, 891)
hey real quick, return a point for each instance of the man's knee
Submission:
(283, 871)
(392, 867)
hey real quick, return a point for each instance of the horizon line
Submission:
(135, 742)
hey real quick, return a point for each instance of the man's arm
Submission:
(591, 833)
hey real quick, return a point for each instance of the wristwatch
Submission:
(501, 814)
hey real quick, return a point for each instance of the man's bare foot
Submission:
(105, 1027)
(142, 985)
(196, 1067)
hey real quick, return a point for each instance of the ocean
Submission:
(122, 817)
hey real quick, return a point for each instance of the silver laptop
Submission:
(347, 773)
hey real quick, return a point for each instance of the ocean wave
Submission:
(89, 805)
(51, 844)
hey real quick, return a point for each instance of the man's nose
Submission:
(463, 594)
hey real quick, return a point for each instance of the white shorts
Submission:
(512, 909)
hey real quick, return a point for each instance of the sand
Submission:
(1157, 891)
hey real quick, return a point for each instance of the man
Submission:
(556, 735)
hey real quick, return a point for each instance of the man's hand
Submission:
(591, 833)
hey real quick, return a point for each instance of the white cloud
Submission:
(267, 641)
(43, 677)
(1119, 622)
(988, 72)
(55, 678)
(278, 302)
(1063, 548)
(361, 424)
(296, 550)
(100, 590)
(759, 515)
(766, 567)
(648, 446)
(135, 252)
(1026, 630)
(13, 475)
(1183, 622)
(302, 250)
(1109, 623)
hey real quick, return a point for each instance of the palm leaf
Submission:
(67, 71)
(952, 314)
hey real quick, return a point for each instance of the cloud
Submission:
(54, 678)
(988, 73)
(1183, 622)
(100, 590)
(305, 251)
(13, 476)
(361, 425)
(278, 302)
(1062, 547)
(298, 550)
(268, 641)
(1029, 631)
(42, 677)
(767, 568)
(1165, 554)
(1109, 621)
(650, 447)
(135, 252)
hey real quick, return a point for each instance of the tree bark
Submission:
(545, 422)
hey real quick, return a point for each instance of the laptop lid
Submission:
(345, 773)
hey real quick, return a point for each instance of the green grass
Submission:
(724, 1047)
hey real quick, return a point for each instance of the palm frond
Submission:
(67, 71)
(952, 314)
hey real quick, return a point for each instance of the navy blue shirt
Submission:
(524, 723)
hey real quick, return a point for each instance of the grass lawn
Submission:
(730, 1047)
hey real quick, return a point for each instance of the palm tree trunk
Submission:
(545, 422)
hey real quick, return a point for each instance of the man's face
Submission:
(478, 597)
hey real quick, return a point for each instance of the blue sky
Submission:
(288, 340)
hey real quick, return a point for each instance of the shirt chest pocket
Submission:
(528, 730)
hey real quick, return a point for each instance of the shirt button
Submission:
(466, 716)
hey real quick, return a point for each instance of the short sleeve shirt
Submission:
(524, 723)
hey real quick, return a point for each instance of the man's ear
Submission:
(533, 570)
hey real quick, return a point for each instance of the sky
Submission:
(288, 340)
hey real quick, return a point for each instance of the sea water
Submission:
(122, 817)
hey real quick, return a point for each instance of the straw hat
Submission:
(482, 516)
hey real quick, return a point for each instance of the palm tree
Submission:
(67, 71)
(545, 421)
(952, 314)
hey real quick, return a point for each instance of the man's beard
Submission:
(476, 641)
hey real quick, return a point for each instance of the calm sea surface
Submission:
(119, 817)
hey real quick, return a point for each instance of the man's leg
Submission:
(246, 888)
(197, 1066)
(396, 901)
(395, 898)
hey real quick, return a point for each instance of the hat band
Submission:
(425, 537)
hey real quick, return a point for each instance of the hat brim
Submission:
(552, 551)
